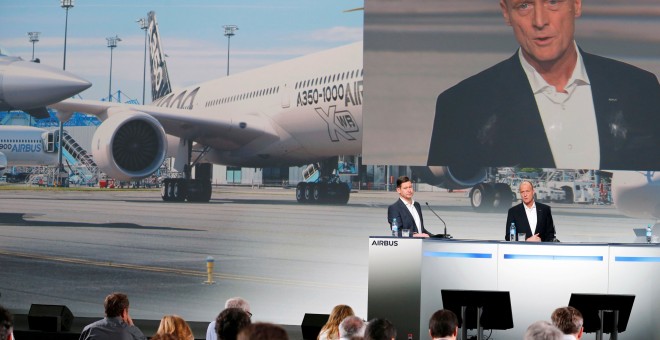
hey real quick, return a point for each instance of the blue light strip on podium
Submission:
(461, 255)
(636, 259)
(552, 257)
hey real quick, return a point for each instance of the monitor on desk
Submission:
(496, 305)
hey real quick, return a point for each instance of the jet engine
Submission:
(129, 146)
(450, 177)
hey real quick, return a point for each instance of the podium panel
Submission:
(395, 289)
(636, 270)
(406, 277)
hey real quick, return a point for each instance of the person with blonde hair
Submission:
(177, 326)
(330, 330)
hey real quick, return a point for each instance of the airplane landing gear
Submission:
(332, 191)
(196, 189)
(486, 197)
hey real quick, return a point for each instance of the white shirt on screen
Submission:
(569, 118)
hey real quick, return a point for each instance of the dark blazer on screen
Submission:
(491, 119)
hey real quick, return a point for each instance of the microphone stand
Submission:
(445, 235)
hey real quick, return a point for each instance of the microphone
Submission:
(445, 235)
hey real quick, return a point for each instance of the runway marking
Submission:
(177, 271)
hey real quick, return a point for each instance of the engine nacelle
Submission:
(450, 177)
(129, 146)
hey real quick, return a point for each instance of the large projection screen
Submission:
(415, 50)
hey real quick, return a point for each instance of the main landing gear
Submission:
(491, 197)
(331, 191)
(188, 189)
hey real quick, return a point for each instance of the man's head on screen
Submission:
(544, 29)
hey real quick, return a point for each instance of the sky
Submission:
(191, 34)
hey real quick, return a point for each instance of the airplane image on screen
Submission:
(291, 113)
(295, 112)
(30, 86)
(26, 146)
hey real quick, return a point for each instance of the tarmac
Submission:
(74, 246)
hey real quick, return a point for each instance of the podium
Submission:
(479, 309)
(603, 313)
(407, 276)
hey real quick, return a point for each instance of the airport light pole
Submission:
(34, 37)
(229, 32)
(112, 43)
(66, 4)
(143, 26)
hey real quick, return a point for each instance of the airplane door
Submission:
(286, 96)
(48, 140)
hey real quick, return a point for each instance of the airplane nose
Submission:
(27, 85)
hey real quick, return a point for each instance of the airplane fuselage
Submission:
(313, 104)
(24, 146)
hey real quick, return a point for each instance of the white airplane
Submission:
(26, 146)
(296, 112)
(637, 193)
(30, 86)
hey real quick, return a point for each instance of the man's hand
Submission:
(535, 238)
(126, 317)
(421, 235)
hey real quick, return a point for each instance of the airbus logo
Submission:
(21, 147)
(385, 243)
(340, 123)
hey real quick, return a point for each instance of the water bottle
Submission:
(395, 228)
(512, 232)
(649, 233)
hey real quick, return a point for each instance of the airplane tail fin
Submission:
(160, 79)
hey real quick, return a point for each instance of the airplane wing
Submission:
(223, 131)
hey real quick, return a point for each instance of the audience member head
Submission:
(175, 325)
(263, 331)
(351, 326)
(115, 304)
(569, 320)
(230, 322)
(164, 336)
(380, 329)
(443, 324)
(338, 314)
(238, 302)
(6, 324)
(543, 330)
